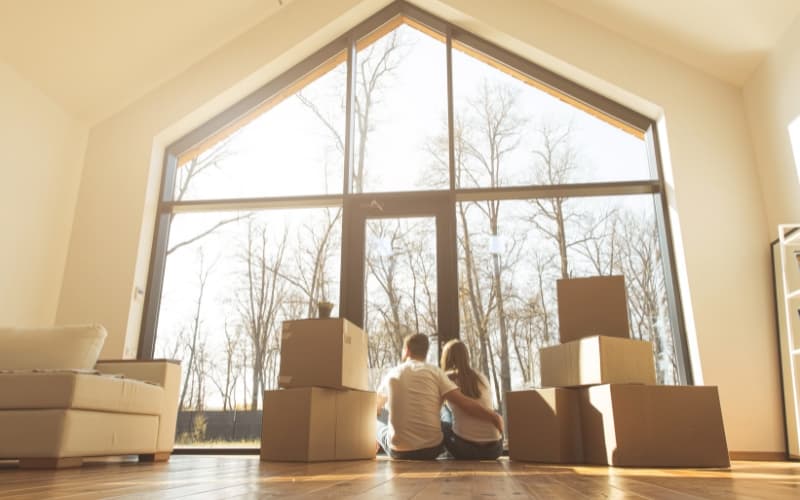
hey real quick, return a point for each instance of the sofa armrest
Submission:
(155, 371)
(167, 374)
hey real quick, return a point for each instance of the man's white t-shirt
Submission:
(472, 428)
(414, 392)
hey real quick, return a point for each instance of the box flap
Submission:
(286, 409)
(355, 357)
(311, 353)
(592, 306)
(321, 427)
(355, 425)
(544, 425)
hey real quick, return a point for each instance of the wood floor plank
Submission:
(493, 479)
(234, 477)
(543, 482)
(453, 480)
(724, 484)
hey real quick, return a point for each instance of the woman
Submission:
(466, 437)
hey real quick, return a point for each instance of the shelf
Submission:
(789, 234)
(786, 267)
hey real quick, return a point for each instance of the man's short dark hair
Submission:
(417, 345)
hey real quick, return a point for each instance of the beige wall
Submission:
(772, 100)
(41, 156)
(713, 182)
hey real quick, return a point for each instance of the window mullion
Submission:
(450, 111)
(349, 129)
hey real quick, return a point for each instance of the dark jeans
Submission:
(383, 440)
(462, 449)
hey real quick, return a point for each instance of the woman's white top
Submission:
(471, 428)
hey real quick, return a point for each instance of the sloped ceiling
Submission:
(724, 38)
(94, 57)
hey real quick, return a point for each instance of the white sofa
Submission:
(58, 404)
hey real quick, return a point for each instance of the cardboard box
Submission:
(592, 306)
(598, 360)
(544, 426)
(653, 426)
(314, 424)
(323, 353)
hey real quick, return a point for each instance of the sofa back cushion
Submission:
(55, 348)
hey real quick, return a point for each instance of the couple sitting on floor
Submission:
(413, 392)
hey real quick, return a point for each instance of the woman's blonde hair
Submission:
(455, 363)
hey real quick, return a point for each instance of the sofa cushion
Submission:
(65, 347)
(74, 433)
(32, 390)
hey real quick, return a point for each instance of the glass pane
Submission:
(515, 247)
(401, 103)
(231, 279)
(294, 147)
(509, 132)
(400, 290)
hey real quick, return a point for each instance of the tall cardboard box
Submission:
(323, 353)
(653, 426)
(544, 426)
(314, 424)
(598, 360)
(592, 306)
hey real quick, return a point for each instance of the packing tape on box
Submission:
(286, 334)
(284, 379)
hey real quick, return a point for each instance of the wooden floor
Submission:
(232, 477)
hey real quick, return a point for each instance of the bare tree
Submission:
(226, 374)
(310, 274)
(259, 303)
(640, 262)
(555, 161)
(495, 134)
(193, 170)
(377, 64)
(385, 270)
(421, 263)
(477, 302)
(486, 132)
(194, 340)
(601, 241)
(200, 372)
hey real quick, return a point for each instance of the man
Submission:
(413, 393)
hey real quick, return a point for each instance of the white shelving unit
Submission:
(787, 277)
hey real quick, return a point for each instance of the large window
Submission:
(424, 181)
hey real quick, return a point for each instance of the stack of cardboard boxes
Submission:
(324, 411)
(600, 404)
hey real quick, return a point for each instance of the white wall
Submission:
(41, 157)
(713, 182)
(772, 100)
